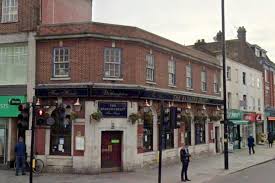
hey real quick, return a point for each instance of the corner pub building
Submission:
(94, 79)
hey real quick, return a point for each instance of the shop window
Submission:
(9, 11)
(200, 132)
(61, 131)
(112, 62)
(61, 62)
(148, 132)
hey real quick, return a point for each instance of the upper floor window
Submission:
(9, 11)
(172, 72)
(229, 100)
(61, 62)
(244, 78)
(259, 104)
(150, 68)
(237, 76)
(203, 80)
(216, 83)
(189, 80)
(228, 73)
(112, 62)
(258, 83)
(266, 76)
(13, 64)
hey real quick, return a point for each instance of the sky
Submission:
(186, 21)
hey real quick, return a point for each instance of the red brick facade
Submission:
(28, 18)
(87, 59)
(269, 91)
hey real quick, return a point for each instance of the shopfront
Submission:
(8, 128)
(236, 129)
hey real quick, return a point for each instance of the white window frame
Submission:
(203, 80)
(258, 82)
(150, 68)
(9, 11)
(266, 76)
(112, 61)
(189, 79)
(229, 100)
(61, 60)
(259, 104)
(244, 78)
(228, 73)
(216, 83)
(171, 73)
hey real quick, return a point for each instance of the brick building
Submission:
(268, 86)
(19, 20)
(121, 71)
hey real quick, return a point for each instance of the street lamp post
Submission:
(224, 92)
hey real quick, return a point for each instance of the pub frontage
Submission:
(95, 128)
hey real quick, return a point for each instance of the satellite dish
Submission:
(50, 121)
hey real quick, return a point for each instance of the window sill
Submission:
(9, 22)
(60, 79)
(204, 91)
(112, 79)
(151, 82)
(172, 86)
(190, 89)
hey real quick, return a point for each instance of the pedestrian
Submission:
(270, 139)
(20, 152)
(185, 159)
(250, 141)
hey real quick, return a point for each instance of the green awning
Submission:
(239, 122)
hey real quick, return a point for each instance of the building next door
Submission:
(111, 150)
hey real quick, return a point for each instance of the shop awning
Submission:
(239, 122)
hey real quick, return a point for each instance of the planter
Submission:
(148, 117)
(133, 118)
(215, 118)
(96, 116)
(186, 118)
(200, 118)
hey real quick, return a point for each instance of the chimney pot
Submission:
(242, 34)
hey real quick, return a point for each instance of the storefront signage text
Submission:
(113, 109)
(8, 110)
(234, 115)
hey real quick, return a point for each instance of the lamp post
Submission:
(224, 92)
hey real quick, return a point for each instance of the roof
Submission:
(235, 49)
(126, 32)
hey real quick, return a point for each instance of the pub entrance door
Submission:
(111, 150)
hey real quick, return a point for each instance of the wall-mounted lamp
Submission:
(38, 102)
(77, 105)
(203, 107)
(188, 106)
(218, 109)
(147, 103)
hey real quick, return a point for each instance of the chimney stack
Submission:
(242, 34)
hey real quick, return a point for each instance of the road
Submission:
(264, 173)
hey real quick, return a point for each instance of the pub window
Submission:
(203, 80)
(168, 139)
(200, 132)
(148, 130)
(189, 80)
(172, 73)
(188, 133)
(61, 133)
(61, 62)
(150, 68)
(9, 11)
(112, 62)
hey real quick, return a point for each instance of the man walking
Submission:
(185, 158)
(250, 141)
(20, 152)
(270, 139)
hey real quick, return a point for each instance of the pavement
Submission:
(202, 170)
(262, 173)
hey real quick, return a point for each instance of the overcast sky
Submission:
(186, 21)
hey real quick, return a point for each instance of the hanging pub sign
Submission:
(113, 109)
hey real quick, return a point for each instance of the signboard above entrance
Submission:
(113, 109)
(8, 110)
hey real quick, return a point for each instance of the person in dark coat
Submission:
(270, 139)
(20, 152)
(250, 141)
(185, 159)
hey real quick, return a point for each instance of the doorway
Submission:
(3, 141)
(111, 150)
(217, 139)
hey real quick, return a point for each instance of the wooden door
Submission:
(111, 149)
